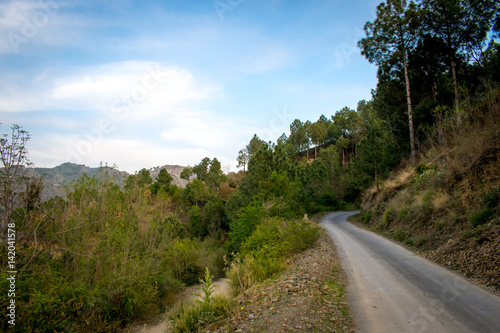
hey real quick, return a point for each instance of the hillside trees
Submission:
(318, 132)
(187, 173)
(162, 182)
(393, 35)
(461, 25)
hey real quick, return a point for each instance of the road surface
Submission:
(392, 289)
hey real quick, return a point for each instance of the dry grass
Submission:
(440, 200)
(401, 200)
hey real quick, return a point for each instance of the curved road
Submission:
(392, 289)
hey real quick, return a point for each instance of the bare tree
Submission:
(13, 178)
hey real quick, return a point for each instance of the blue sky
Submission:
(147, 83)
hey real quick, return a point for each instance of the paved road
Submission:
(392, 289)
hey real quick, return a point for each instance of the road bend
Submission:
(392, 289)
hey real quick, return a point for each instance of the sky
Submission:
(139, 84)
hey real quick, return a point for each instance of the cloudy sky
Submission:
(147, 83)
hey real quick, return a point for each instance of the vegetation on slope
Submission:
(448, 206)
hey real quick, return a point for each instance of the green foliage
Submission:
(163, 181)
(144, 177)
(194, 317)
(388, 217)
(438, 225)
(182, 258)
(481, 216)
(187, 173)
(215, 216)
(207, 287)
(251, 216)
(429, 178)
(263, 252)
(198, 228)
(491, 200)
(400, 235)
(366, 217)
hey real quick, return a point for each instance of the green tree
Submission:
(298, 135)
(394, 34)
(163, 181)
(254, 145)
(195, 193)
(144, 177)
(201, 169)
(215, 175)
(187, 173)
(318, 132)
(243, 158)
(462, 25)
(215, 216)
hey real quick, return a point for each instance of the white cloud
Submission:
(23, 22)
(147, 87)
(199, 128)
(143, 88)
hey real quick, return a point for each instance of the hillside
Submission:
(447, 207)
(56, 178)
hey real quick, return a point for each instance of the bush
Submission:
(193, 317)
(263, 253)
(388, 216)
(400, 235)
(481, 216)
(439, 225)
(366, 217)
(182, 259)
(491, 200)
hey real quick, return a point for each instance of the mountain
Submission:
(175, 172)
(56, 178)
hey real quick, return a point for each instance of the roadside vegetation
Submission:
(421, 156)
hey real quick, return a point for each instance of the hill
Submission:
(56, 178)
(448, 206)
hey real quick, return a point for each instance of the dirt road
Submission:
(392, 289)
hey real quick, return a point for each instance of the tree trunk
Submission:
(455, 83)
(410, 111)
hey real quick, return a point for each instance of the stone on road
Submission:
(391, 289)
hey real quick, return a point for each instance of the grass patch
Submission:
(438, 225)
(481, 216)
(400, 235)
(193, 317)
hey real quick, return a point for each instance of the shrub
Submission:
(421, 242)
(491, 200)
(439, 225)
(403, 212)
(366, 217)
(481, 216)
(400, 235)
(181, 258)
(193, 317)
(388, 216)
(421, 168)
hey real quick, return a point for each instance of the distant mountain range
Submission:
(56, 178)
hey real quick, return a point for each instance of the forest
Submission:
(113, 250)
